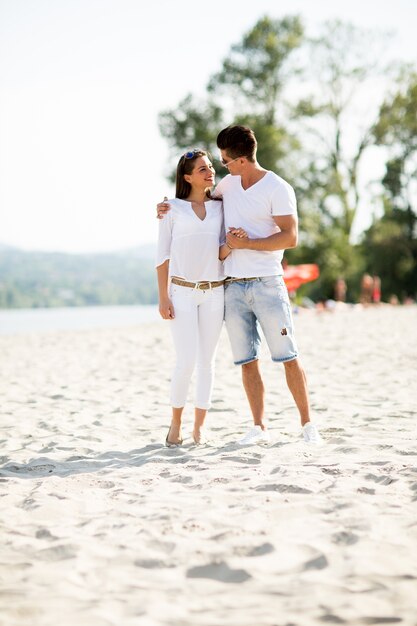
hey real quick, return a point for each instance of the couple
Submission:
(205, 275)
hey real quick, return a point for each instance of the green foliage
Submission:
(396, 129)
(397, 122)
(336, 258)
(251, 79)
(313, 146)
(274, 142)
(257, 68)
(341, 59)
(390, 251)
(390, 245)
(192, 125)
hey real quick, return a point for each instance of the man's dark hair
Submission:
(238, 141)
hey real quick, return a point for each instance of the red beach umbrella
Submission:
(297, 275)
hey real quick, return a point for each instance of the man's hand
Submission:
(237, 238)
(239, 232)
(162, 208)
(166, 309)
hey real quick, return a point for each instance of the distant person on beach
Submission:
(376, 290)
(264, 205)
(191, 285)
(340, 290)
(367, 288)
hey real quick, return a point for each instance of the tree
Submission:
(396, 129)
(341, 63)
(251, 80)
(257, 69)
(335, 125)
(317, 143)
(390, 245)
(192, 124)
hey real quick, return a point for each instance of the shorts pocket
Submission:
(273, 282)
(275, 285)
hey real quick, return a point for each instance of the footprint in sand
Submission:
(220, 572)
(381, 620)
(264, 548)
(319, 562)
(43, 533)
(44, 468)
(244, 460)
(382, 480)
(330, 618)
(57, 553)
(345, 538)
(366, 490)
(153, 564)
(283, 488)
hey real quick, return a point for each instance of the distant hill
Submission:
(146, 251)
(52, 279)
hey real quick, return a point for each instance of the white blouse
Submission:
(192, 244)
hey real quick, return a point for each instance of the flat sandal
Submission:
(170, 444)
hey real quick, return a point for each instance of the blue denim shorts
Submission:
(256, 306)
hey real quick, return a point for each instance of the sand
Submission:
(102, 525)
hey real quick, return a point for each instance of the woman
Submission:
(191, 285)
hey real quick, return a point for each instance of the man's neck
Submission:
(252, 175)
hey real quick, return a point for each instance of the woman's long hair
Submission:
(185, 166)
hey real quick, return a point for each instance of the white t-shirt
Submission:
(192, 244)
(253, 210)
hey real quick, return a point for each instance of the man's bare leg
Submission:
(297, 384)
(255, 391)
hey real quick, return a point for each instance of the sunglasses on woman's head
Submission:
(191, 153)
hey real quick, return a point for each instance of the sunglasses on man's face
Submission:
(227, 163)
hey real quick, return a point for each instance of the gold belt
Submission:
(204, 284)
(241, 280)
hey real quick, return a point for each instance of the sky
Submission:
(82, 161)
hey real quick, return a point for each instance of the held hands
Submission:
(166, 309)
(237, 238)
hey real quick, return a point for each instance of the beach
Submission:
(102, 525)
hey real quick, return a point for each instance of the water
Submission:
(18, 321)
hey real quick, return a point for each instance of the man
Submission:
(264, 205)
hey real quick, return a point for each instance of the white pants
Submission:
(196, 330)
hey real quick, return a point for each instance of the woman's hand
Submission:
(162, 208)
(166, 309)
(225, 249)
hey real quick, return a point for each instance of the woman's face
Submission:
(202, 175)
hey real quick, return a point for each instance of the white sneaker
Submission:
(311, 434)
(255, 435)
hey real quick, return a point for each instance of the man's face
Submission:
(234, 166)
